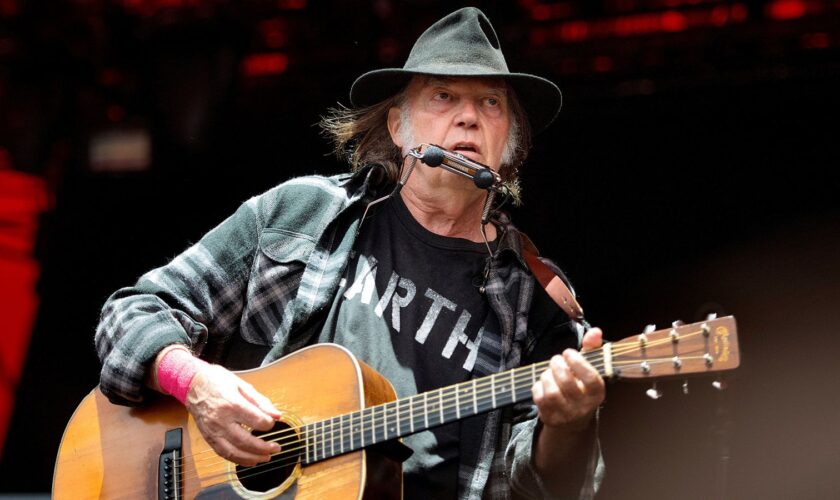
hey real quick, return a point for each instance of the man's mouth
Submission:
(465, 147)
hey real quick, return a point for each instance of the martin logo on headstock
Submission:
(709, 346)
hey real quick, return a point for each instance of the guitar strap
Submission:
(554, 286)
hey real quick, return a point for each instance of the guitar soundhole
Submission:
(269, 475)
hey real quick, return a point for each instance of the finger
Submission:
(552, 394)
(583, 371)
(246, 442)
(228, 451)
(537, 393)
(592, 339)
(248, 413)
(262, 402)
(566, 380)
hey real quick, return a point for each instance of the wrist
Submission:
(176, 370)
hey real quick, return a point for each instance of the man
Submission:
(410, 286)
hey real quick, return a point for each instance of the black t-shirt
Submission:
(409, 306)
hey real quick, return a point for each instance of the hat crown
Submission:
(464, 39)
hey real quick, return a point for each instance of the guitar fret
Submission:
(306, 441)
(399, 429)
(440, 404)
(426, 408)
(362, 425)
(352, 431)
(457, 405)
(533, 374)
(512, 388)
(323, 442)
(341, 431)
(493, 389)
(373, 425)
(332, 436)
(475, 400)
(411, 414)
(385, 420)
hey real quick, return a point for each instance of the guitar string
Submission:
(443, 401)
(589, 355)
(291, 432)
(518, 379)
(271, 466)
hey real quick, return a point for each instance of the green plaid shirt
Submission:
(252, 284)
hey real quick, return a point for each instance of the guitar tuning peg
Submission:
(654, 393)
(678, 323)
(719, 384)
(685, 386)
(711, 316)
(650, 328)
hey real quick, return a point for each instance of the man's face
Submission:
(468, 115)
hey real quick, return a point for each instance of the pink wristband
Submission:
(176, 371)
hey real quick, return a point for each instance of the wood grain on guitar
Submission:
(337, 412)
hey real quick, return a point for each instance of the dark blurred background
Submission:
(690, 171)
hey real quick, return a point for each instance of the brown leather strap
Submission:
(554, 286)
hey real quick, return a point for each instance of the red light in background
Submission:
(109, 77)
(540, 12)
(8, 8)
(815, 41)
(543, 12)
(673, 21)
(291, 4)
(739, 12)
(115, 113)
(257, 65)
(23, 198)
(538, 37)
(719, 15)
(787, 9)
(574, 31)
(273, 33)
(602, 64)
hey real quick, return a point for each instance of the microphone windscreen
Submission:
(433, 156)
(484, 179)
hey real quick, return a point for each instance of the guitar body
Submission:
(111, 451)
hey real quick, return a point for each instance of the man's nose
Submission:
(467, 114)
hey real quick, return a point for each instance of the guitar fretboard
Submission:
(376, 424)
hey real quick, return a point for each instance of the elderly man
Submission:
(420, 286)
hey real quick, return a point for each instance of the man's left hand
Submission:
(570, 390)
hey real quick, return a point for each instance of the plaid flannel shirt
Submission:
(255, 281)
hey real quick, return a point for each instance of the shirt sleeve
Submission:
(195, 300)
(584, 474)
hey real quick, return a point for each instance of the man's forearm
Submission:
(561, 455)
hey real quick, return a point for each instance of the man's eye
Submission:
(442, 96)
(492, 101)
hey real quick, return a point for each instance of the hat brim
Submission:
(540, 98)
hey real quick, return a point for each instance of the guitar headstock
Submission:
(705, 347)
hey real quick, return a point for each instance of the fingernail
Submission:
(275, 447)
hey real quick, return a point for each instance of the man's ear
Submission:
(394, 124)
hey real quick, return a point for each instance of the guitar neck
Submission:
(705, 347)
(406, 416)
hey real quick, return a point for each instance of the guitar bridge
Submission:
(169, 467)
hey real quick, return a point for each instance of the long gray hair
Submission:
(360, 137)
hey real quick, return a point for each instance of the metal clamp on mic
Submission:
(435, 156)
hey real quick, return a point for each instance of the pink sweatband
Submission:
(176, 371)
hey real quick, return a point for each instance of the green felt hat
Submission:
(463, 43)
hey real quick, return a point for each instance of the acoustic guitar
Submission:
(340, 425)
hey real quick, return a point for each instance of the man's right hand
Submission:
(225, 407)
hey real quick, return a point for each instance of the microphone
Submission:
(435, 156)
